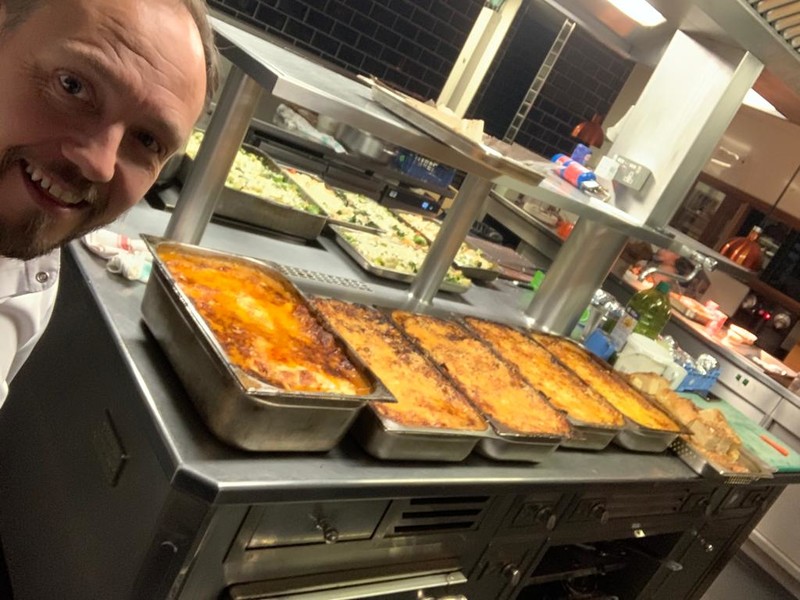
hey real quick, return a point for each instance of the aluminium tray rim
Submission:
(499, 430)
(389, 274)
(393, 427)
(273, 164)
(331, 220)
(578, 423)
(631, 425)
(396, 104)
(266, 392)
(705, 466)
(475, 273)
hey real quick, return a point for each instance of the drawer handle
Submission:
(329, 533)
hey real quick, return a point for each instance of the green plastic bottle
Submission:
(646, 313)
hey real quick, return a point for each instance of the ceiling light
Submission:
(756, 100)
(640, 11)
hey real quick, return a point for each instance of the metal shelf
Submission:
(296, 79)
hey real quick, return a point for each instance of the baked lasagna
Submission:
(564, 390)
(489, 382)
(619, 394)
(262, 324)
(424, 396)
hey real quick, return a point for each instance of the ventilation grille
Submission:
(420, 516)
(783, 16)
(297, 273)
(657, 502)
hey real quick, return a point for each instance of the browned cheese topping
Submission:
(489, 382)
(263, 326)
(424, 396)
(564, 390)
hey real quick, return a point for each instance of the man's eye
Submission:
(149, 142)
(72, 85)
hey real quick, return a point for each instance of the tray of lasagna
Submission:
(384, 257)
(647, 427)
(712, 448)
(263, 372)
(259, 192)
(431, 419)
(469, 259)
(525, 427)
(595, 423)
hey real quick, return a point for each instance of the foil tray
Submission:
(264, 212)
(706, 467)
(473, 273)
(388, 440)
(385, 273)
(402, 106)
(507, 449)
(632, 436)
(332, 220)
(241, 410)
(502, 442)
(585, 436)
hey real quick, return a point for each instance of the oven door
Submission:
(350, 586)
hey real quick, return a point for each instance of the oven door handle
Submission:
(375, 589)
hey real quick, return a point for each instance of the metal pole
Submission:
(580, 268)
(456, 225)
(222, 140)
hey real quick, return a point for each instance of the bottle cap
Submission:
(663, 287)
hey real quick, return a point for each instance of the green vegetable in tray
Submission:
(251, 174)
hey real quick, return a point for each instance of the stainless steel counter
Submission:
(224, 475)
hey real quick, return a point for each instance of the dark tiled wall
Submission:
(413, 45)
(586, 80)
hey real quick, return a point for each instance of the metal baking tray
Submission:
(332, 220)
(589, 436)
(379, 271)
(632, 436)
(585, 436)
(264, 212)
(471, 272)
(385, 439)
(396, 103)
(706, 467)
(239, 409)
(502, 442)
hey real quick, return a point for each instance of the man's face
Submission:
(95, 95)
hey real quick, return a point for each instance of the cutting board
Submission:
(751, 436)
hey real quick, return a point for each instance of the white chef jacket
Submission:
(27, 295)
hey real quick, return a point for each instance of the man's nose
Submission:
(95, 153)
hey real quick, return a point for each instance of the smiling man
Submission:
(95, 95)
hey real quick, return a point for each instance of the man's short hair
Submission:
(18, 10)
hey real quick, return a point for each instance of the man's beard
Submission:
(29, 239)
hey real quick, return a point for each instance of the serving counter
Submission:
(114, 488)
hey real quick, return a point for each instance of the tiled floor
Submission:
(742, 579)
